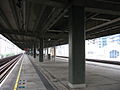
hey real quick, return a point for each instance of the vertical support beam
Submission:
(34, 50)
(41, 50)
(47, 51)
(31, 51)
(54, 52)
(48, 57)
(77, 48)
(36, 47)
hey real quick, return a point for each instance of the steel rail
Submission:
(7, 66)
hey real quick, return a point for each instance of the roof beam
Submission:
(100, 19)
(15, 13)
(90, 17)
(99, 6)
(8, 31)
(53, 3)
(6, 21)
(110, 31)
(56, 16)
(30, 34)
(39, 18)
(28, 9)
(2, 14)
(102, 25)
(96, 6)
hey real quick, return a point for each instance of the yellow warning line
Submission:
(18, 77)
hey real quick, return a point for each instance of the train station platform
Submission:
(30, 74)
(29, 79)
(99, 76)
(23, 76)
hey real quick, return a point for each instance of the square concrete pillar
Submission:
(77, 48)
(41, 50)
(34, 50)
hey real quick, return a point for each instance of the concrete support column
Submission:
(47, 51)
(48, 55)
(34, 50)
(31, 51)
(41, 50)
(54, 52)
(77, 48)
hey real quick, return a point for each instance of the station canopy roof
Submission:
(26, 21)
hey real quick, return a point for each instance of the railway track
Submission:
(7, 64)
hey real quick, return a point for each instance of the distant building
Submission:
(7, 48)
